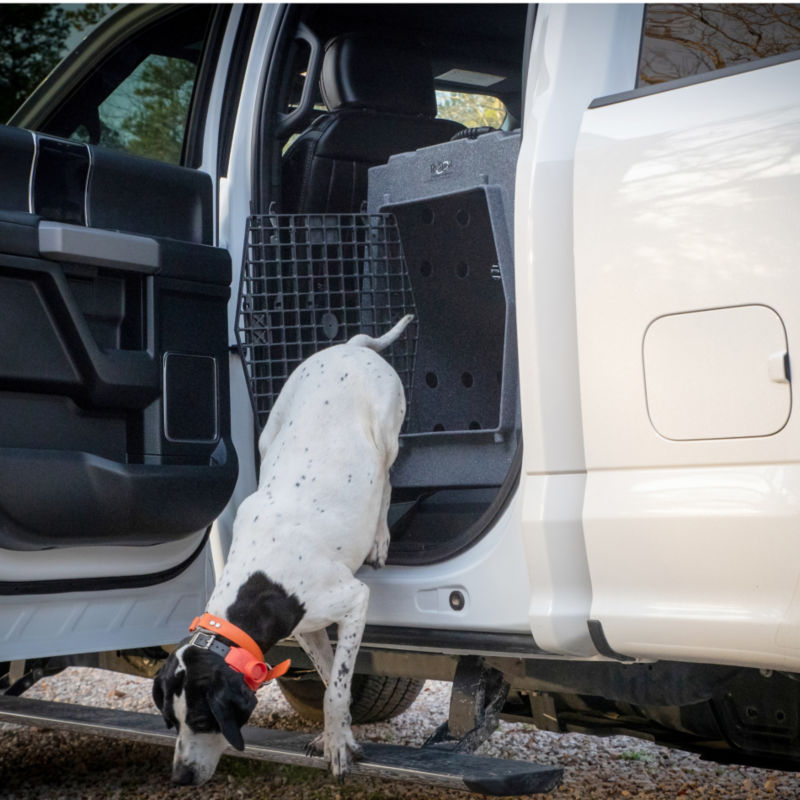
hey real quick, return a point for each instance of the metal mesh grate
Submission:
(313, 280)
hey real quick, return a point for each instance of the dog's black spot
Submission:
(167, 684)
(217, 698)
(265, 610)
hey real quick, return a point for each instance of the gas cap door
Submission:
(717, 373)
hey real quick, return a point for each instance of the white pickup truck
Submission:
(592, 211)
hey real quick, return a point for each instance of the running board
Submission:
(489, 776)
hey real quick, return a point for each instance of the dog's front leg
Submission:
(318, 648)
(340, 745)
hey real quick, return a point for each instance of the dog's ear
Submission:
(231, 702)
(165, 685)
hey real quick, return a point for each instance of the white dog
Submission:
(318, 514)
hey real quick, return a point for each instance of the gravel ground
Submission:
(53, 764)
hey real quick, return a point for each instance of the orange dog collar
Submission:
(224, 628)
(246, 658)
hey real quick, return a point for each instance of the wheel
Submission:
(374, 698)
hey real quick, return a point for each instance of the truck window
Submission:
(471, 110)
(137, 100)
(685, 39)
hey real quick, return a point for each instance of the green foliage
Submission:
(471, 110)
(160, 101)
(31, 39)
(81, 17)
(635, 755)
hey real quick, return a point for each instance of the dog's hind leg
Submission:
(318, 648)
(376, 558)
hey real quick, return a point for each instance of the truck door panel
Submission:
(114, 429)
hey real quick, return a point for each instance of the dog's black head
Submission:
(208, 703)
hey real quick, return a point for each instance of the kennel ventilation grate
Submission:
(313, 280)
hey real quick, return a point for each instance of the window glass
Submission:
(146, 114)
(684, 39)
(471, 110)
(138, 100)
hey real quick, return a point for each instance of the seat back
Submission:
(376, 109)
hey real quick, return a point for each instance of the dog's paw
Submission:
(316, 747)
(376, 558)
(342, 752)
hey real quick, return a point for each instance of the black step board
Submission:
(490, 776)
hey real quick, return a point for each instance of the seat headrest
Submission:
(362, 70)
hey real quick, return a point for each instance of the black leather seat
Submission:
(381, 101)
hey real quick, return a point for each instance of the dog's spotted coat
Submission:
(318, 514)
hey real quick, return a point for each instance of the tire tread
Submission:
(375, 698)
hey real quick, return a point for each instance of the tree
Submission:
(471, 110)
(161, 99)
(82, 17)
(32, 37)
(692, 38)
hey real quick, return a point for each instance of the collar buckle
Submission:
(202, 639)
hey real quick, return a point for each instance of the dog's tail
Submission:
(362, 340)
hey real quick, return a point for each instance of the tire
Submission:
(374, 698)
